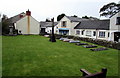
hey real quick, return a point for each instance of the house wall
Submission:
(92, 36)
(113, 26)
(34, 26)
(72, 30)
(22, 25)
(113, 20)
(49, 30)
(70, 25)
(84, 35)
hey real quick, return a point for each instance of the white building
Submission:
(115, 27)
(100, 29)
(66, 25)
(46, 27)
(108, 29)
(97, 29)
(24, 23)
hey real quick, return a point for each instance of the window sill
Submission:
(101, 37)
(88, 35)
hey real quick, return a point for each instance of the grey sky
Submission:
(42, 9)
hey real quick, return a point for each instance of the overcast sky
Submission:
(42, 9)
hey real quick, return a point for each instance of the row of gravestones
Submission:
(92, 46)
(86, 45)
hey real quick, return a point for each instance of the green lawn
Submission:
(0, 56)
(36, 56)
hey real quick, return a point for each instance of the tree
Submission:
(86, 17)
(59, 17)
(5, 24)
(109, 10)
(74, 16)
(90, 18)
(47, 20)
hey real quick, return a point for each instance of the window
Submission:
(82, 32)
(102, 34)
(19, 31)
(64, 23)
(108, 34)
(118, 21)
(50, 31)
(88, 33)
(77, 32)
(94, 33)
(56, 30)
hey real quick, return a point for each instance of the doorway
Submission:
(117, 36)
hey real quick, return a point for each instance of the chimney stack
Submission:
(28, 13)
(21, 16)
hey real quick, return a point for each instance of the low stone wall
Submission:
(110, 44)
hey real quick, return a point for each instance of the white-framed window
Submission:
(50, 31)
(102, 34)
(64, 24)
(56, 30)
(118, 21)
(88, 33)
(94, 33)
(77, 32)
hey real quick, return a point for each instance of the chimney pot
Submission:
(28, 13)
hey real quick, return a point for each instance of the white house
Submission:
(115, 27)
(97, 29)
(25, 23)
(46, 27)
(100, 29)
(108, 29)
(66, 25)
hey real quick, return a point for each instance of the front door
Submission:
(42, 30)
(117, 36)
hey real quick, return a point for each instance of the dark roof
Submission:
(75, 19)
(94, 24)
(15, 18)
(47, 24)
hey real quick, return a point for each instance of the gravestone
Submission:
(81, 44)
(99, 49)
(90, 46)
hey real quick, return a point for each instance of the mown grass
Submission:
(0, 56)
(36, 56)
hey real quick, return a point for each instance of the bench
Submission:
(87, 74)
